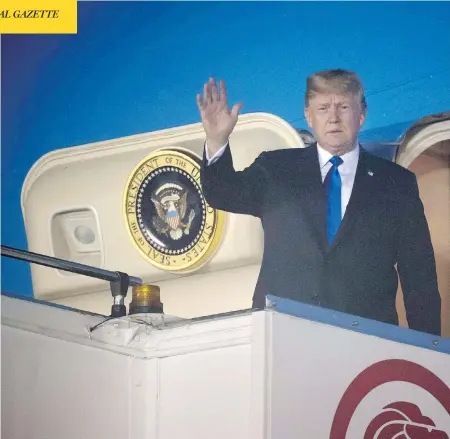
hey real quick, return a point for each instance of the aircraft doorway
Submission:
(430, 161)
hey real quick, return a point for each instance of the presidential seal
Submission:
(166, 213)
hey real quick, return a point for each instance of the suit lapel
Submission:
(310, 196)
(309, 190)
(359, 198)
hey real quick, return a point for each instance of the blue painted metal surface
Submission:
(143, 73)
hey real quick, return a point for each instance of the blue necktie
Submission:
(333, 185)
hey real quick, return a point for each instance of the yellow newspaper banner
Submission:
(38, 16)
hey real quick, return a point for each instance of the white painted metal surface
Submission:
(165, 379)
(314, 364)
(246, 375)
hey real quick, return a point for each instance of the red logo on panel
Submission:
(403, 420)
(399, 419)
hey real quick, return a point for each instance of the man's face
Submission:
(336, 120)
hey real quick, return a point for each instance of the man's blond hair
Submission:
(335, 81)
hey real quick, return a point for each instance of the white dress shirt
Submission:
(347, 169)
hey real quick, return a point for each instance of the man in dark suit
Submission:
(338, 222)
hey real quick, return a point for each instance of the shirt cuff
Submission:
(216, 156)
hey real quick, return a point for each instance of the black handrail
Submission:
(119, 282)
(62, 264)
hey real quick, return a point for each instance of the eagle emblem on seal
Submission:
(170, 201)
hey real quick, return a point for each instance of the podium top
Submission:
(359, 324)
(68, 322)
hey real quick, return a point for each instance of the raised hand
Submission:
(217, 119)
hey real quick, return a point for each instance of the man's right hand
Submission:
(217, 119)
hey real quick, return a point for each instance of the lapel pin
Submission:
(370, 173)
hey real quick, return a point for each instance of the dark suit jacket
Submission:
(384, 225)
